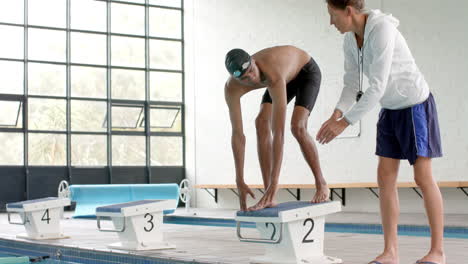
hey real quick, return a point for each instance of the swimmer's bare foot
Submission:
(322, 194)
(261, 205)
(268, 200)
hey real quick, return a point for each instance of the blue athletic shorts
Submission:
(410, 132)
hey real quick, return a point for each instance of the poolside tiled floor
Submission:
(220, 244)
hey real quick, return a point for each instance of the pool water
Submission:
(46, 261)
(9, 248)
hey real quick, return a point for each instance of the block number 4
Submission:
(45, 216)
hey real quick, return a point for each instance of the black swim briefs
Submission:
(305, 87)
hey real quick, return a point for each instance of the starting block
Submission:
(293, 232)
(137, 223)
(40, 217)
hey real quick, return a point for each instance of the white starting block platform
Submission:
(137, 223)
(293, 232)
(40, 217)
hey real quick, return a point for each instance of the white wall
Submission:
(435, 34)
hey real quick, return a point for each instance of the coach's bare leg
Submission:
(387, 173)
(309, 151)
(434, 208)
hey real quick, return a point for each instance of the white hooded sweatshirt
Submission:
(394, 79)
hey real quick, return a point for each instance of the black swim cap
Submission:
(237, 62)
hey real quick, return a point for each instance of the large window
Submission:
(101, 87)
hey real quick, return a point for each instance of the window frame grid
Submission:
(147, 103)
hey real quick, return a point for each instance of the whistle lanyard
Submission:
(361, 67)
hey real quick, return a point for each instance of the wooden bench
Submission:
(333, 188)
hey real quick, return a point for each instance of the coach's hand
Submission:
(331, 129)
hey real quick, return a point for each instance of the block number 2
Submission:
(274, 229)
(46, 216)
(150, 221)
(306, 239)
